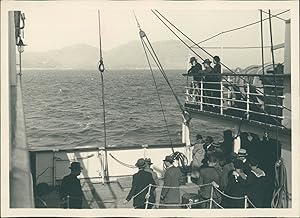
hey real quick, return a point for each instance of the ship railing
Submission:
(212, 202)
(226, 97)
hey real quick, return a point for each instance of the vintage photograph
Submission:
(149, 106)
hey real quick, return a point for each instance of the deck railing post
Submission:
(221, 96)
(211, 196)
(187, 93)
(248, 101)
(68, 201)
(201, 95)
(246, 202)
(148, 196)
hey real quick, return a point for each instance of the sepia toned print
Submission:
(150, 110)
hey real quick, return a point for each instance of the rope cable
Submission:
(238, 28)
(101, 70)
(158, 95)
(263, 66)
(275, 81)
(142, 34)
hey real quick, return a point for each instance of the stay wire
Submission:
(245, 96)
(158, 95)
(200, 46)
(142, 34)
(275, 78)
(165, 76)
(101, 69)
(263, 64)
(238, 28)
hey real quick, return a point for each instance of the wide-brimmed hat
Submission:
(207, 61)
(148, 161)
(169, 159)
(75, 166)
(242, 153)
(141, 163)
(199, 136)
(192, 59)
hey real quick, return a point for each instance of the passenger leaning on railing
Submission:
(195, 72)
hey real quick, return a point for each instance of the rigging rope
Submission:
(275, 81)
(244, 96)
(101, 70)
(156, 11)
(142, 34)
(238, 28)
(122, 163)
(158, 95)
(263, 66)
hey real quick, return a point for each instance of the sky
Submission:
(54, 25)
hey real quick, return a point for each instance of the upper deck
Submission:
(253, 101)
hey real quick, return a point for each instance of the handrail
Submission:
(219, 98)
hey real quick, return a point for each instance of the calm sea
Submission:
(64, 108)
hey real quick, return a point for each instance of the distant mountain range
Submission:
(172, 53)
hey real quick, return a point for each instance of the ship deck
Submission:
(108, 195)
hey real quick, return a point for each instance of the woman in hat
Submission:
(141, 180)
(216, 70)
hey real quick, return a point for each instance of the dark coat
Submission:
(194, 71)
(207, 175)
(257, 185)
(172, 178)
(71, 187)
(237, 187)
(141, 180)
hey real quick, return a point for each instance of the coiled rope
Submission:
(281, 196)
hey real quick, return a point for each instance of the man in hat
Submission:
(170, 193)
(216, 70)
(195, 69)
(242, 155)
(140, 181)
(195, 72)
(70, 189)
(150, 170)
(207, 79)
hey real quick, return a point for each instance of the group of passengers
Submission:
(211, 76)
(232, 171)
